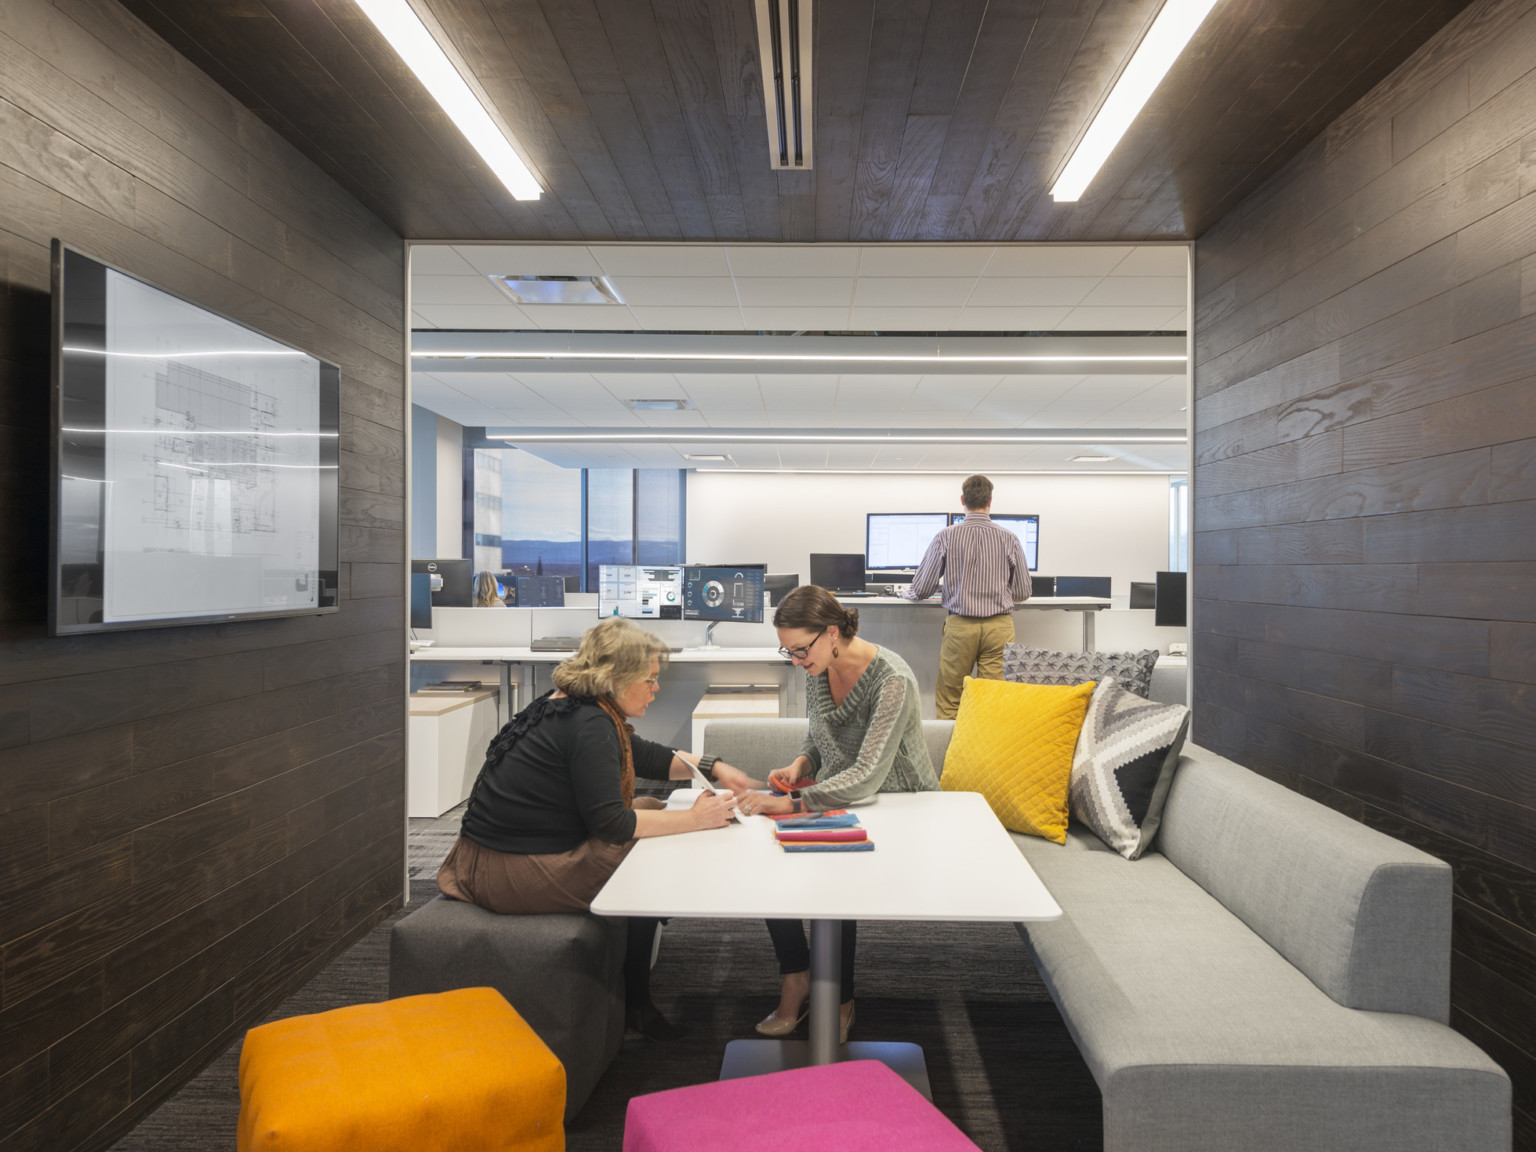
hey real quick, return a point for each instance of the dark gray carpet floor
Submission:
(1002, 1065)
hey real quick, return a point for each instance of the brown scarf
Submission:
(626, 750)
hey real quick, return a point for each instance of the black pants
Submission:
(795, 954)
(640, 938)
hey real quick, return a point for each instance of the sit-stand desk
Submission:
(938, 856)
(1088, 606)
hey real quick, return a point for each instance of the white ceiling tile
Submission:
(600, 317)
(967, 260)
(735, 418)
(795, 319)
(717, 380)
(552, 383)
(656, 384)
(674, 291)
(1057, 260)
(420, 321)
(468, 289)
(794, 291)
(1008, 319)
(531, 259)
(1031, 291)
(798, 392)
(689, 319)
(438, 260)
(683, 419)
(793, 260)
(1137, 292)
(803, 455)
(901, 319)
(1114, 320)
(489, 317)
(1178, 322)
(1155, 260)
(661, 259)
(916, 292)
(800, 417)
(851, 456)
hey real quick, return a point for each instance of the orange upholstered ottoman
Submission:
(456, 1070)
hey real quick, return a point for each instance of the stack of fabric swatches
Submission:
(836, 831)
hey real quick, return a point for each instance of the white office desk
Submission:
(526, 658)
(1087, 605)
(938, 856)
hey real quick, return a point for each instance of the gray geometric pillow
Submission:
(1132, 670)
(1123, 765)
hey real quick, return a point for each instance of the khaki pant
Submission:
(969, 641)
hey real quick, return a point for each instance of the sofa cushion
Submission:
(1013, 743)
(1131, 670)
(1367, 917)
(1201, 1036)
(1123, 765)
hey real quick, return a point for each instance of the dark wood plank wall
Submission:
(1365, 437)
(192, 820)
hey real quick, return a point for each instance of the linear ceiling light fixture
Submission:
(784, 48)
(797, 357)
(820, 438)
(424, 56)
(1161, 46)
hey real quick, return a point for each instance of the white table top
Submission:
(938, 856)
(1039, 603)
(715, 655)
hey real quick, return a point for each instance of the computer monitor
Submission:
(900, 539)
(1098, 586)
(838, 571)
(1026, 528)
(779, 585)
(1172, 603)
(724, 592)
(640, 591)
(1143, 595)
(534, 591)
(421, 600)
(457, 589)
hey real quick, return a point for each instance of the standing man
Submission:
(985, 575)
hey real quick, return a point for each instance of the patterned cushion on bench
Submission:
(1131, 670)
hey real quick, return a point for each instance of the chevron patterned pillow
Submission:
(1123, 765)
(1131, 670)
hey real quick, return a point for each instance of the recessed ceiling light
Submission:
(1091, 459)
(712, 457)
(660, 405)
(425, 57)
(1161, 46)
(558, 289)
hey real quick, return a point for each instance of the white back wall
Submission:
(1114, 526)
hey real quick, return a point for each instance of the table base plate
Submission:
(759, 1057)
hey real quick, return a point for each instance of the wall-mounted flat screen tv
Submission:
(195, 461)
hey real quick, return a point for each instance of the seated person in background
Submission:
(865, 737)
(487, 591)
(553, 811)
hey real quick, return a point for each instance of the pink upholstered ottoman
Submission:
(856, 1106)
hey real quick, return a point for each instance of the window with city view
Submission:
(534, 517)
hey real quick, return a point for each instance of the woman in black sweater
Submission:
(554, 812)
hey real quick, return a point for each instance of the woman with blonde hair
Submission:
(554, 811)
(487, 592)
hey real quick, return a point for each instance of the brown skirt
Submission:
(508, 882)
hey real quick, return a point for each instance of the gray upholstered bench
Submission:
(1273, 975)
(563, 973)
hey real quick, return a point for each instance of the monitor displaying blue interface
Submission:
(1026, 528)
(533, 591)
(640, 591)
(724, 592)
(900, 539)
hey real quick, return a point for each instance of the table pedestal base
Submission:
(759, 1057)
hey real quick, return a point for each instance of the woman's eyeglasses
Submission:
(654, 682)
(801, 653)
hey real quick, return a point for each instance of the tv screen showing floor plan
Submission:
(196, 475)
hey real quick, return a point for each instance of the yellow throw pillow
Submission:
(1013, 743)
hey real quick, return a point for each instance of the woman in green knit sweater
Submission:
(865, 736)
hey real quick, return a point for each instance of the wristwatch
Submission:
(707, 766)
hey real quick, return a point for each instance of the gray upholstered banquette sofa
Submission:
(1272, 976)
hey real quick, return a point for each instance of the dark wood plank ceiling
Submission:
(934, 121)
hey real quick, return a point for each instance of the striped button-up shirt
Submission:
(982, 565)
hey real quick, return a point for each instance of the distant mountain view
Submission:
(563, 557)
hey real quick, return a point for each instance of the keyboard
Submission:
(556, 644)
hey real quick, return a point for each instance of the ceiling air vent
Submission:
(784, 43)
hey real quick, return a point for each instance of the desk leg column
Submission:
(1089, 620)
(826, 989)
